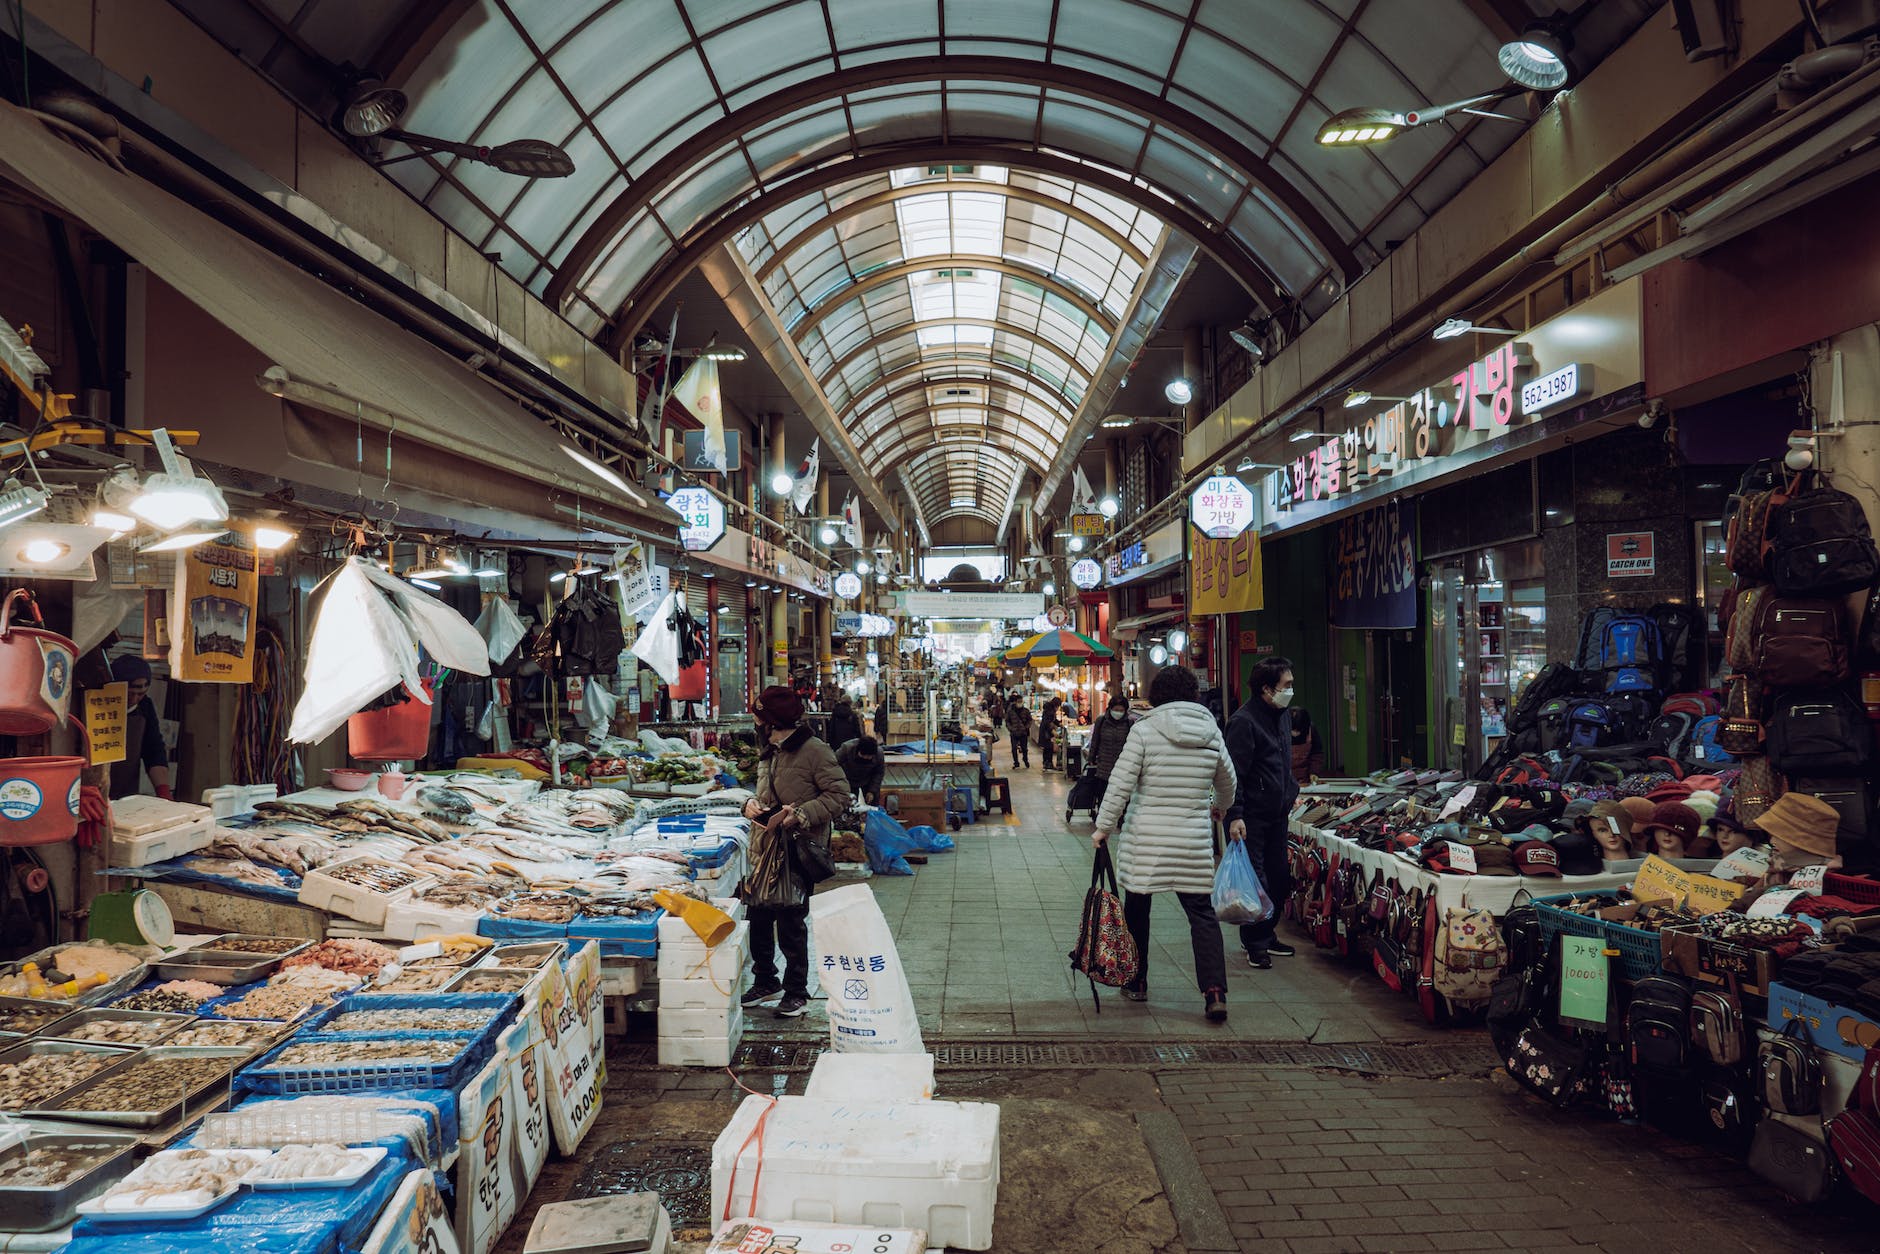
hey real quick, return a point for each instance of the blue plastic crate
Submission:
(1640, 953)
(263, 1076)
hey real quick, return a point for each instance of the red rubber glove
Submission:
(94, 817)
(163, 791)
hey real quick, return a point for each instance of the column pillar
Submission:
(1855, 456)
(778, 666)
(1197, 409)
(825, 609)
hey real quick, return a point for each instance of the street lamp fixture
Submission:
(1358, 397)
(1179, 391)
(1108, 507)
(1301, 437)
(1541, 59)
(1451, 328)
(781, 483)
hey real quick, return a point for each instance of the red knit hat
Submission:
(1670, 790)
(779, 706)
(1677, 818)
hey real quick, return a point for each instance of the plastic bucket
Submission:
(396, 733)
(38, 800)
(35, 673)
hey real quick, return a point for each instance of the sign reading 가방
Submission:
(1221, 508)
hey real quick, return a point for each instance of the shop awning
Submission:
(315, 333)
(1129, 628)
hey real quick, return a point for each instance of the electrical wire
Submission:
(260, 754)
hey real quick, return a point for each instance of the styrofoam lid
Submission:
(622, 1223)
(884, 1078)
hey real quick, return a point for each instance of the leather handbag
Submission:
(1105, 952)
(1789, 1072)
(812, 860)
(1547, 1063)
(1787, 1156)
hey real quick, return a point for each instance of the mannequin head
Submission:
(1674, 829)
(1611, 828)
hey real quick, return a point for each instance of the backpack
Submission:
(1672, 732)
(1788, 1072)
(1746, 545)
(1556, 679)
(1717, 1027)
(1821, 731)
(1551, 723)
(1798, 643)
(1820, 545)
(1696, 704)
(1681, 631)
(1630, 679)
(1633, 713)
(1591, 724)
(1630, 640)
(1469, 956)
(1739, 632)
(1705, 748)
(1658, 1023)
(1592, 630)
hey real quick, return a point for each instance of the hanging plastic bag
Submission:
(658, 645)
(871, 1009)
(359, 649)
(1238, 895)
(501, 628)
(597, 704)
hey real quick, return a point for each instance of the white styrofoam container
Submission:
(324, 891)
(697, 995)
(813, 1238)
(141, 813)
(699, 1051)
(931, 1165)
(622, 977)
(168, 842)
(872, 1079)
(688, 959)
(410, 920)
(698, 1024)
(233, 799)
(676, 931)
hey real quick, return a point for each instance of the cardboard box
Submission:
(914, 806)
(1834, 1028)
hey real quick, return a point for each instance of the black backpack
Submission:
(1658, 1024)
(1820, 545)
(1672, 733)
(1552, 724)
(1556, 679)
(1681, 631)
(1633, 713)
(1592, 725)
(1819, 732)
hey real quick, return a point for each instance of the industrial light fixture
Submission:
(1179, 391)
(1178, 641)
(180, 540)
(722, 352)
(1248, 337)
(1049, 589)
(1357, 397)
(429, 585)
(606, 475)
(18, 501)
(168, 499)
(269, 537)
(1300, 437)
(781, 483)
(1454, 327)
(1352, 128)
(881, 579)
(862, 567)
(370, 110)
(43, 551)
(1541, 58)
(1158, 655)
(121, 525)
(828, 534)
(750, 583)
(1108, 507)
(1116, 422)
(1247, 463)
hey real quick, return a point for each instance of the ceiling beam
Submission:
(1030, 195)
(1504, 18)
(905, 448)
(414, 36)
(1017, 331)
(1046, 437)
(921, 265)
(646, 189)
(659, 284)
(919, 369)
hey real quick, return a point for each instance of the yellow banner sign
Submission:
(1658, 880)
(106, 713)
(1087, 525)
(212, 615)
(1224, 576)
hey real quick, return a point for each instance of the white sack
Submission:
(501, 628)
(359, 649)
(658, 645)
(871, 1011)
(445, 634)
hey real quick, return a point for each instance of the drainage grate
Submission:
(679, 1171)
(1411, 1059)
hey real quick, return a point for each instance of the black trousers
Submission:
(1048, 748)
(1020, 749)
(1204, 932)
(1266, 849)
(785, 927)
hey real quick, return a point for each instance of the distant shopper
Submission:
(1308, 751)
(800, 790)
(881, 716)
(1108, 737)
(862, 764)
(1047, 731)
(995, 709)
(143, 732)
(1173, 771)
(1018, 722)
(844, 724)
(1259, 737)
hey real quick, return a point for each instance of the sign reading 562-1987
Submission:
(703, 515)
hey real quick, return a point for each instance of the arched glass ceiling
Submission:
(675, 109)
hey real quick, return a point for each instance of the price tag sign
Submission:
(1809, 880)
(106, 711)
(1584, 977)
(1461, 857)
(1775, 902)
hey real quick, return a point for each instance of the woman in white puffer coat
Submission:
(1165, 843)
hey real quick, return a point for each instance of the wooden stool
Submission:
(997, 791)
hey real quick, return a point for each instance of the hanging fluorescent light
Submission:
(429, 585)
(1360, 126)
(173, 497)
(180, 540)
(18, 501)
(1179, 391)
(268, 537)
(1116, 422)
(558, 576)
(606, 475)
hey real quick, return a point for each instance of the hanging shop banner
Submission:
(1225, 576)
(970, 604)
(1374, 575)
(570, 1014)
(1221, 508)
(1086, 572)
(704, 516)
(414, 1221)
(1630, 554)
(1087, 524)
(212, 629)
(634, 569)
(105, 711)
(848, 585)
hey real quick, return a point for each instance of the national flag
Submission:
(698, 392)
(852, 521)
(653, 412)
(1083, 500)
(805, 487)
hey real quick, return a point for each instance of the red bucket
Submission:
(38, 800)
(35, 673)
(396, 733)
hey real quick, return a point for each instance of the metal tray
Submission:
(58, 1010)
(62, 1030)
(38, 1045)
(26, 1209)
(299, 944)
(192, 1100)
(110, 989)
(228, 970)
(518, 955)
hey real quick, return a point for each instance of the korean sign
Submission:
(212, 617)
(1087, 524)
(1225, 576)
(848, 585)
(106, 710)
(704, 516)
(1086, 573)
(1374, 571)
(1221, 508)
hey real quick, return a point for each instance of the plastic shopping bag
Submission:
(888, 844)
(1238, 894)
(871, 1010)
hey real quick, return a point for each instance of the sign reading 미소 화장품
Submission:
(1221, 508)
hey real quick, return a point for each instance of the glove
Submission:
(94, 817)
(163, 791)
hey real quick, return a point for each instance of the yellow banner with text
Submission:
(1224, 576)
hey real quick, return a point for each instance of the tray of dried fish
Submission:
(225, 969)
(251, 1034)
(45, 1177)
(494, 980)
(25, 1016)
(111, 1026)
(175, 1184)
(151, 1087)
(243, 943)
(532, 957)
(359, 888)
(541, 907)
(316, 1167)
(420, 980)
(36, 1072)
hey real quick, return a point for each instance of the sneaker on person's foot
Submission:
(1217, 1006)
(1280, 950)
(761, 993)
(1258, 960)
(792, 1007)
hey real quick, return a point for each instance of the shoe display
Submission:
(761, 993)
(1279, 950)
(1259, 960)
(792, 1007)
(1217, 1006)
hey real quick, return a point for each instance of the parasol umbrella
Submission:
(1059, 647)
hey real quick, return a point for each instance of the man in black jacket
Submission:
(1259, 739)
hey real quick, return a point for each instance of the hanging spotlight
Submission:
(121, 525)
(180, 540)
(862, 567)
(1300, 437)
(1179, 391)
(1158, 655)
(268, 537)
(18, 501)
(880, 579)
(1178, 641)
(1108, 507)
(1541, 59)
(828, 534)
(1360, 126)
(1453, 327)
(1077, 544)
(781, 483)
(1248, 338)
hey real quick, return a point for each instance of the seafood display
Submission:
(418, 980)
(457, 951)
(538, 907)
(290, 994)
(29, 1081)
(54, 1166)
(24, 1017)
(371, 873)
(359, 1053)
(166, 999)
(148, 1084)
(529, 957)
(494, 980)
(226, 1033)
(178, 1178)
(293, 1163)
(252, 944)
(91, 960)
(125, 1031)
(352, 956)
(471, 894)
(453, 1019)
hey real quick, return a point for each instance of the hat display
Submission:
(1640, 809)
(1606, 812)
(1670, 790)
(1704, 802)
(1677, 818)
(1531, 833)
(1578, 854)
(1705, 783)
(1802, 822)
(1536, 857)
(1495, 859)
(1577, 809)
(1725, 817)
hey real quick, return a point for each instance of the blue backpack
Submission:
(1591, 725)
(1629, 640)
(1630, 679)
(1704, 750)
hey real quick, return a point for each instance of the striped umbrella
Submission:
(1059, 647)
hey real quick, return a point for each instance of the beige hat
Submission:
(1802, 822)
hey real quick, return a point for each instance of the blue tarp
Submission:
(174, 872)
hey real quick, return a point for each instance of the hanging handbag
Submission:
(1789, 1072)
(811, 859)
(1788, 1157)
(1105, 952)
(35, 671)
(1548, 1063)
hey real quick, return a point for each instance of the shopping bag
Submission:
(887, 843)
(871, 1009)
(1238, 895)
(1106, 952)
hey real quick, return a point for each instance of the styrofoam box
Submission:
(697, 1024)
(622, 977)
(931, 1165)
(688, 959)
(693, 1051)
(676, 931)
(813, 1238)
(323, 891)
(410, 920)
(872, 1079)
(697, 995)
(168, 842)
(233, 799)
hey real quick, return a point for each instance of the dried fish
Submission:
(150, 1084)
(253, 944)
(494, 981)
(317, 1053)
(453, 1019)
(373, 874)
(35, 1079)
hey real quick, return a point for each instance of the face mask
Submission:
(1282, 697)
(1116, 714)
